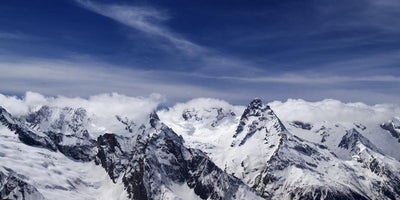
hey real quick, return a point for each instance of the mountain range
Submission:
(201, 149)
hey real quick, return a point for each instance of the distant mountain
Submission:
(202, 149)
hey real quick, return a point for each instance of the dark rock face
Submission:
(352, 137)
(30, 138)
(390, 187)
(111, 154)
(134, 184)
(253, 128)
(24, 133)
(159, 158)
(12, 187)
(77, 146)
(190, 114)
(326, 194)
(302, 125)
(324, 133)
(206, 178)
(305, 149)
(393, 129)
(79, 149)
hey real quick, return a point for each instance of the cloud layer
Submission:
(102, 107)
(334, 111)
(88, 77)
(328, 110)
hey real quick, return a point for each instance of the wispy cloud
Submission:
(13, 36)
(86, 78)
(83, 78)
(150, 21)
(378, 16)
(145, 19)
(304, 79)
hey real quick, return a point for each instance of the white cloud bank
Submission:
(328, 110)
(334, 111)
(102, 107)
(106, 106)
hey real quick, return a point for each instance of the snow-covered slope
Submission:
(206, 124)
(310, 160)
(329, 121)
(53, 174)
(51, 153)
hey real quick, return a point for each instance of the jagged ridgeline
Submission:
(197, 150)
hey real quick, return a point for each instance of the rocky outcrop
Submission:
(13, 188)
(393, 127)
(77, 146)
(25, 134)
(114, 154)
(365, 152)
(352, 141)
(302, 125)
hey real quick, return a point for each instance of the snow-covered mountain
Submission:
(294, 158)
(203, 149)
(50, 154)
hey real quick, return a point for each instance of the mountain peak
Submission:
(154, 119)
(257, 118)
(6, 118)
(256, 108)
(257, 104)
(352, 139)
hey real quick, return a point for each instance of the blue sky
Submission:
(233, 50)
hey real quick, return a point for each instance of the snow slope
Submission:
(53, 174)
